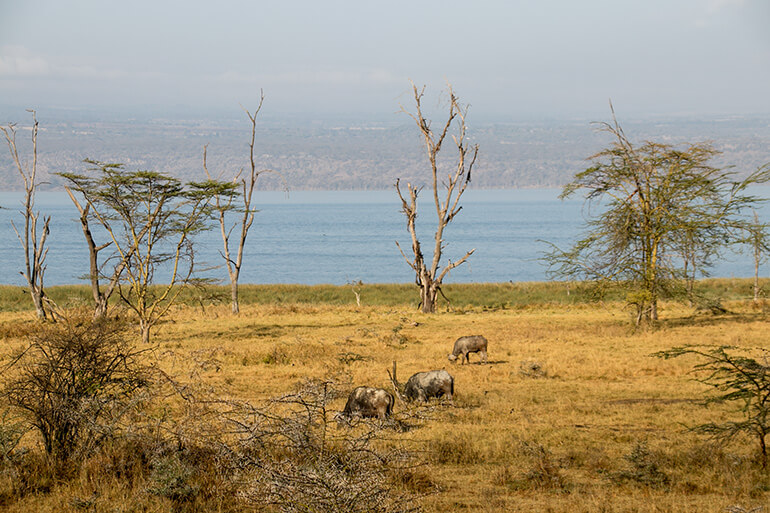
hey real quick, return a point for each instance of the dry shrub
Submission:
(75, 382)
(276, 357)
(11, 431)
(28, 473)
(707, 454)
(416, 480)
(395, 338)
(300, 462)
(503, 476)
(532, 369)
(348, 357)
(543, 471)
(171, 477)
(126, 460)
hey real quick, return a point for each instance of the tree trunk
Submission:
(100, 306)
(234, 296)
(428, 297)
(756, 280)
(37, 299)
(144, 326)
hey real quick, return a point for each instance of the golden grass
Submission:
(557, 440)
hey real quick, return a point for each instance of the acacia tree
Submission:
(735, 378)
(223, 203)
(661, 208)
(32, 239)
(697, 248)
(151, 220)
(100, 294)
(451, 186)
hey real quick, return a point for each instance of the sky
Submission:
(511, 60)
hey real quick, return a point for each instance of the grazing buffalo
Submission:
(466, 345)
(369, 402)
(424, 385)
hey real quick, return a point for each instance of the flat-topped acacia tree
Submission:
(447, 189)
(151, 220)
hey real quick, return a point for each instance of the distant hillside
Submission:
(313, 156)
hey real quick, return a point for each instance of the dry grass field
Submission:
(570, 414)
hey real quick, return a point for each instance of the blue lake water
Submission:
(336, 237)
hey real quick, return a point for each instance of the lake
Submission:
(337, 237)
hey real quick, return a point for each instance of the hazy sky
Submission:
(510, 59)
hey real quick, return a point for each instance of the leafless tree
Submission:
(430, 277)
(33, 240)
(224, 204)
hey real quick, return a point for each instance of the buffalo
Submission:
(466, 345)
(424, 385)
(369, 402)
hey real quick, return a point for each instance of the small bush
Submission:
(543, 472)
(276, 357)
(644, 468)
(29, 473)
(532, 369)
(414, 480)
(171, 478)
(75, 381)
(11, 431)
(348, 357)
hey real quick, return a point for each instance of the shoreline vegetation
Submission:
(460, 295)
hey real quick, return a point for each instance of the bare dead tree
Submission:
(224, 204)
(355, 286)
(452, 186)
(32, 239)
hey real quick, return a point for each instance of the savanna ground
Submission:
(570, 414)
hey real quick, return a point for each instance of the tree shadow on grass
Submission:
(245, 332)
(706, 320)
(482, 364)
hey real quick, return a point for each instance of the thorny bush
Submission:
(305, 461)
(75, 381)
(94, 401)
